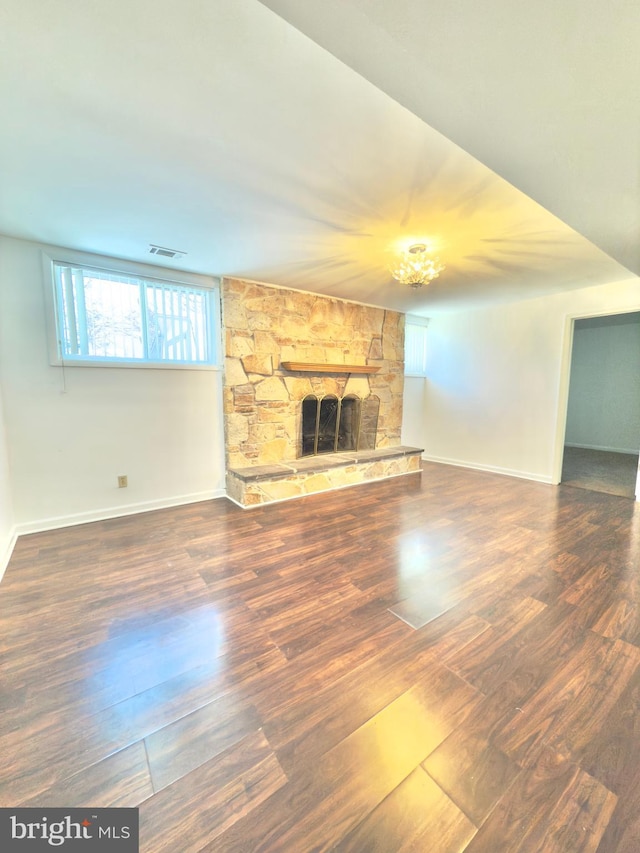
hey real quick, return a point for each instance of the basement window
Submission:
(415, 346)
(115, 318)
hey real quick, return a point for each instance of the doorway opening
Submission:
(602, 432)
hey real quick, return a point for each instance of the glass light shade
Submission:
(416, 267)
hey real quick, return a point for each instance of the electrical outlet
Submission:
(122, 481)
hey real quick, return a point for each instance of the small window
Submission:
(106, 316)
(415, 346)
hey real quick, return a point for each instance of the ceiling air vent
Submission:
(163, 252)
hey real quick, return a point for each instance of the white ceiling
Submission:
(220, 129)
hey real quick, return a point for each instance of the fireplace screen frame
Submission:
(331, 424)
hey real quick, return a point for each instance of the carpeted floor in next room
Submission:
(600, 471)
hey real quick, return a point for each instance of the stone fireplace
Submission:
(289, 352)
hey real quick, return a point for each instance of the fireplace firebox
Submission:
(333, 424)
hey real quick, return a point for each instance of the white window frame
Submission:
(134, 270)
(422, 323)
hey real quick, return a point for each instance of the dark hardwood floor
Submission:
(441, 662)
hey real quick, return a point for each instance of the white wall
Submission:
(413, 411)
(604, 395)
(495, 396)
(71, 432)
(7, 524)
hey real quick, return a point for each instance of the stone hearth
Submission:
(259, 484)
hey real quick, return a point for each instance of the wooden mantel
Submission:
(308, 367)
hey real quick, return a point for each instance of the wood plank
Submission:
(195, 810)
(622, 833)
(479, 659)
(323, 367)
(177, 749)
(556, 808)
(467, 766)
(537, 645)
(444, 700)
(574, 703)
(612, 754)
(416, 816)
(122, 780)
(324, 802)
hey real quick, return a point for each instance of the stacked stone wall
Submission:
(266, 325)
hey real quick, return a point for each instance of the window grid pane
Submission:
(113, 318)
(104, 315)
(177, 323)
(68, 333)
(415, 350)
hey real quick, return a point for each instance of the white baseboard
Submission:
(492, 469)
(5, 554)
(601, 447)
(56, 522)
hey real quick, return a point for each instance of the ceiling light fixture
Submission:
(416, 267)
